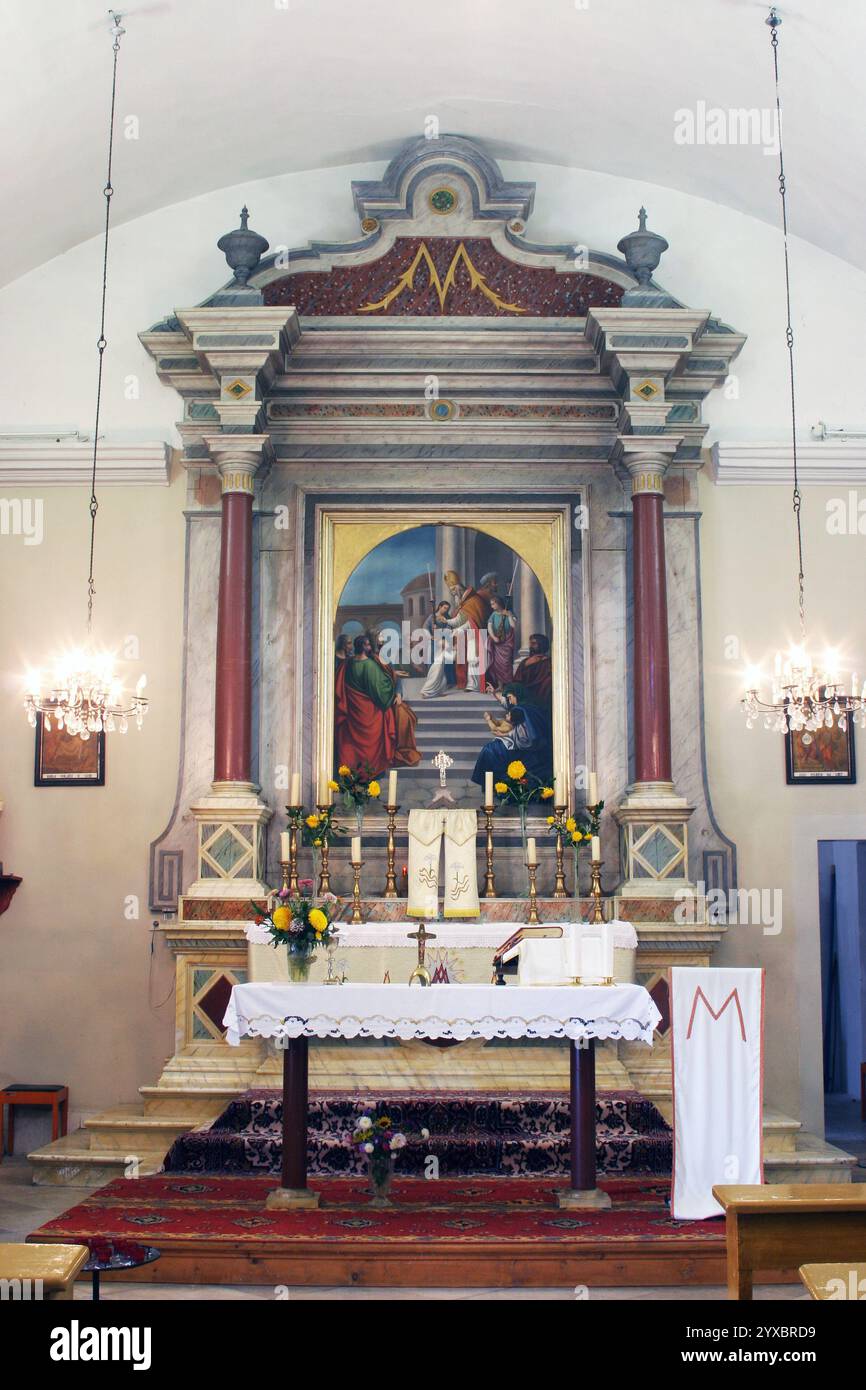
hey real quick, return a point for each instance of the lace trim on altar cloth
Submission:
(455, 1029)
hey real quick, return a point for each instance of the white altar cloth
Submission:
(441, 1011)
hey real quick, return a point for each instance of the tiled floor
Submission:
(24, 1207)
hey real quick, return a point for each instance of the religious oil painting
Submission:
(65, 760)
(827, 755)
(443, 642)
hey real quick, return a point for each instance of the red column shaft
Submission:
(234, 642)
(652, 683)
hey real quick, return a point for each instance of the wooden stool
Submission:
(779, 1227)
(831, 1282)
(24, 1094)
(41, 1272)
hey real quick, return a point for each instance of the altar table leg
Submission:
(582, 1191)
(293, 1190)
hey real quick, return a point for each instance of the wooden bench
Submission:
(779, 1228)
(840, 1281)
(40, 1272)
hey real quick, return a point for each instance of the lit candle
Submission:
(596, 848)
(592, 799)
(392, 788)
(284, 847)
(295, 792)
(356, 849)
(531, 852)
(488, 789)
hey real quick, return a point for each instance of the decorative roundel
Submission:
(442, 410)
(517, 226)
(443, 200)
(370, 224)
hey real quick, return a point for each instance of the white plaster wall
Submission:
(77, 1000)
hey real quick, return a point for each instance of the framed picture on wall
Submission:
(828, 757)
(64, 760)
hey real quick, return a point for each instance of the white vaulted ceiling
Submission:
(226, 91)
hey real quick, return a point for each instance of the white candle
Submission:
(356, 849)
(531, 852)
(295, 792)
(326, 797)
(488, 789)
(284, 847)
(592, 798)
(392, 788)
(596, 847)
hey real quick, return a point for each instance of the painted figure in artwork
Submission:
(472, 614)
(441, 677)
(534, 674)
(375, 729)
(501, 633)
(521, 731)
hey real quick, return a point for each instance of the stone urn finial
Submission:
(243, 249)
(642, 250)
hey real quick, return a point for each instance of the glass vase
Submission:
(300, 960)
(380, 1175)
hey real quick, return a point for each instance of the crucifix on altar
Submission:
(442, 796)
(421, 974)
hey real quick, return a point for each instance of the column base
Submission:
(654, 841)
(586, 1199)
(292, 1199)
(231, 823)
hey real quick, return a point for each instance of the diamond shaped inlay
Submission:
(238, 389)
(658, 851)
(226, 850)
(215, 1002)
(647, 389)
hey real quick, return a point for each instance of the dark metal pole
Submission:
(583, 1115)
(295, 1087)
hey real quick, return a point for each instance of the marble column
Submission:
(532, 609)
(652, 816)
(232, 818)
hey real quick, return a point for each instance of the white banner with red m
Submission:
(717, 1043)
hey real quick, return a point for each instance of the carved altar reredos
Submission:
(442, 355)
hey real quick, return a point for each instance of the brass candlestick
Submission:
(489, 877)
(595, 872)
(325, 872)
(294, 821)
(284, 878)
(534, 919)
(356, 891)
(391, 877)
(560, 890)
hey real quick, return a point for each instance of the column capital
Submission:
(643, 460)
(239, 458)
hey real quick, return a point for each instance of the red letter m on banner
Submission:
(699, 993)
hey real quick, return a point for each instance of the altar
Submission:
(578, 1015)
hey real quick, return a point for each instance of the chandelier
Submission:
(83, 695)
(804, 697)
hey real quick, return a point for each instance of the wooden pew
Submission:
(37, 1272)
(779, 1228)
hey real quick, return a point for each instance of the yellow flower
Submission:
(516, 770)
(343, 770)
(317, 920)
(374, 789)
(312, 821)
(546, 793)
(281, 917)
(334, 786)
(571, 824)
(551, 820)
(501, 788)
(317, 842)
(577, 837)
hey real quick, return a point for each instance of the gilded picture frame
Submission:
(539, 535)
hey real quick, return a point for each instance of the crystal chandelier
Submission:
(83, 695)
(803, 697)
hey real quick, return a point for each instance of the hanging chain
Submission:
(774, 21)
(101, 342)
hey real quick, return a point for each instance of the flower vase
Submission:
(359, 817)
(380, 1175)
(300, 960)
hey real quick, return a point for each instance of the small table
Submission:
(578, 1014)
(33, 1094)
(117, 1255)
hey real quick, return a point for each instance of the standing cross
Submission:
(422, 936)
(442, 762)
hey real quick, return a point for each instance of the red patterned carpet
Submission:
(172, 1208)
